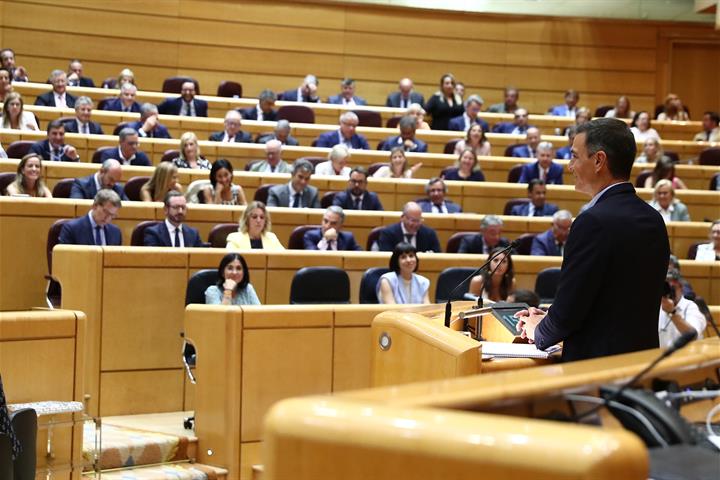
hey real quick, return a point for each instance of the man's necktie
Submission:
(98, 236)
(57, 154)
(296, 201)
(177, 236)
(358, 203)
(439, 208)
(537, 213)
(409, 237)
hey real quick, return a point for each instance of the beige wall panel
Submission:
(691, 78)
(351, 362)
(147, 391)
(593, 57)
(250, 455)
(565, 31)
(165, 8)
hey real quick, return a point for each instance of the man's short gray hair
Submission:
(408, 121)
(561, 215)
(491, 220)
(545, 146)
(474, 99)
(106, 195)
(267, 96)
(127, 86)
(55, 74)
(346, 82)
(352, 116)
(80, 101)
(336, 209)
(282, 125)
(109, 163)
(338, 151)
(310, 78)
(304, 165)
(126, 132)
(148, 109)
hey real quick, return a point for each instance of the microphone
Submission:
(448, 309)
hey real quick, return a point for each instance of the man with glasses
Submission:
(345, 134)
(411, 230)
(232, 132)
(127, 152)
(273, 162)
(357, 196)
(172, 232)
(96, 227)
(519, 125)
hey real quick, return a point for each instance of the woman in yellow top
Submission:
(254, 230)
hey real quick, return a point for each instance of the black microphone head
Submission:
(515, 244)
(684, 339)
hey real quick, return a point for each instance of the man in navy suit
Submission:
(53, 148)
(82, 122)
(149, 125)
(519, 125)
(306, 92)
(127, 152)
(462, 123)
(565, 153)
(544, 168)
(125, 102)
(345, 134)
(281, 133)
(108, 176)
(551, 243)
(617, 249)
(529, 149)
(75, 75)
(347, 94)
(171, 232)
(264, 109)
(232, 132)
(490, 236)
(406, 140)
(186, 104)
(569, 108)
(329, 236)
(96, 227)
(357, 196)
(436, 189)
(405, 96)
(537, 206)
(411, 230)
(57, 97)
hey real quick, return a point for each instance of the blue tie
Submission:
(98, 236)
(177, 237)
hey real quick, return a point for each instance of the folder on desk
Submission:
(516, 350)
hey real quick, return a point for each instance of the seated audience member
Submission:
(711, 130)
(336, 164)
(254, 231)
(345, 135)
(641, 129)
(273, 162)
(475, 140)
(127, 152)
(75, 75)
(172, 232)
(551, 243)
(708, 252)
(688, 291)
(28, 180)
(186, 104)
(621, 110)
(502, 282)
(416, 110)
(398, 167)
(445, 103)
(402, 285)
(411, 230)
(529, 149)
(149, 124)
(463, 122)
(466, 168)
(565, 153)
(527, 297)
(537, 207)
(404, 96)
(490, 237)
(297, 193)
(569, 108)
(436, 189)
(406, 139)
(57, 97)
(14, 115)
(222, 190)
(678, 315)
(17, 73)
(357, 196)
(126, 101)
(583, 115)
(189, 156)
(329, 236)
(5, 84)
(306, 92)
(82, 122)
(263, 111)
(125, 76)
(664, 201)
(163, 179)
(652, 151)
(664, 168)
(544, 168)
(519, 125)
(96, 227)
(460, 89)
(233, 287)
(232, 132)
(347, 95)
(54, 148)
(281, 132)
(673, 109)
(108, 177)
(509, 105)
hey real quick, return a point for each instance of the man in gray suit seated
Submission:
(296, 193)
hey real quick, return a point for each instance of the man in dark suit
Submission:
(345, 134)
(263, 112)
(519, 125)
(537, 207)
(125, 102)
(347, 94)
(490, 236)
(565, 153)
(411, 230)
(108, 177)
(436, 202)
(462, 123)
(75, 75)
(529, 149)
(96, 227)
(296, 193)
(281, 133)
(551, 243)
(544, 168)
(306, 92)
(149, 125)
(171, 232)
(127, 152)
(406, 139)
(17, 73)
(616, 256)
(82, 122)
(405, 96)
(357, 196)
(186, 104)
(232, 132)
(329, 236)
(53, 148)
(57, 97)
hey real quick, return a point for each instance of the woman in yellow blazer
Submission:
(254, 230)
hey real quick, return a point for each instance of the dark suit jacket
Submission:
(458, 124)
(475, 244)
(115, 105)
(531, 171)
(522, 210)
(612, 279)
(160, 131)
(452, 207)
(158, 236)
(564, 153)
(173, 106)
(83, 82)
(522, 151)
(251, 114)
(42, 148)
(48, 99)
(370, 201)
(337, 100)
(85, 187)
(508, 127)
(330, 139)
(392, 142)
(279, 196)
(290, 140)
(345, 240)
(79, 232)
(544, 244)
(71, 126)
(140, 158)
(393, 100)
(242, 137)
(426, 238)
(292, 96)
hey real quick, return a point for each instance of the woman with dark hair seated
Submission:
(664, 169)
(402, 284)
(502, 282)
(222, 190)
(233, 287)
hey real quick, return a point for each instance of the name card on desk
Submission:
(515, 350)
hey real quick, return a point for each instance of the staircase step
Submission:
(170, 471)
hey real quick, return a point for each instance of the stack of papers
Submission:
(516, 350)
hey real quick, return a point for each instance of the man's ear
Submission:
(600, 160)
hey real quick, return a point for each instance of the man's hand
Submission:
(71, 152)
(330, 234)
(667, 304)
(528, 321)
(150, 123)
